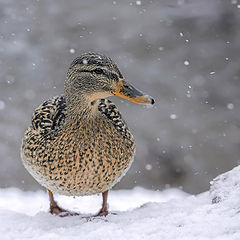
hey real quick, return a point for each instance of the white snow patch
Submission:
(140, 214)
(226, 187)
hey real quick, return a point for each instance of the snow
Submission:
(188, 94)
(72, 50)
(137, 214)
(138, 3)
(85, 61)
(230, 106)
(173, 116)
(148, 167)
(226, 187)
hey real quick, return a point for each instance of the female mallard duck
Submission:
(78, 144)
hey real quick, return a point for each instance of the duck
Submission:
(78, 143)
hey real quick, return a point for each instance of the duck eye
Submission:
(98, 71)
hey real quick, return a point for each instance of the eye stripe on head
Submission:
(93, 62)
(98, 71)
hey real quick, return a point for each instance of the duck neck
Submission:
(79, 108)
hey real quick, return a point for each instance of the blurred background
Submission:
(184, 53)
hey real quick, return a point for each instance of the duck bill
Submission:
(127, 91)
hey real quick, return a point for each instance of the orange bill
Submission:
(127, 91)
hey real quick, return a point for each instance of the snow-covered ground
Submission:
(140, 214)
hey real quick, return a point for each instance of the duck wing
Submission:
(110, 111)
(50, 115)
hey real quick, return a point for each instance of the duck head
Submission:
(93, 76)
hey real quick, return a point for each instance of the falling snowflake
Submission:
(230, 106)
(173, 116)
(72, 50)
(188, 94)
(148, 167)
(85, 61)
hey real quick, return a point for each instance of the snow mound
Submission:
(138, 214)
(226, 187)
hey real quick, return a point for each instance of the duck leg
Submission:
(104, 210)
(55, 209)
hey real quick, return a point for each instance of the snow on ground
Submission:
(140, 214)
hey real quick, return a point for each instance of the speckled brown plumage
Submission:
(78, 143)
(81, 158)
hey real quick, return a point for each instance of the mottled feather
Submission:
(50, 115)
